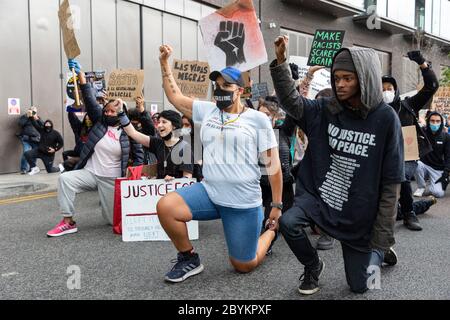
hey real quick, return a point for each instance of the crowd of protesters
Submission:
(291, 164)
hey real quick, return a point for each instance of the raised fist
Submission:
(230, 39)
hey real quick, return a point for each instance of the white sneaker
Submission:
(61, 168)
(34, 171)
(419, 192)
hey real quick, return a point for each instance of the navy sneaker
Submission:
(187, 265)
(310, 279)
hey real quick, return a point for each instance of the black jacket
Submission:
(439, 158)
(27, 131)
(408, 109)
(52, 139)
(77, 127)
(95, 112)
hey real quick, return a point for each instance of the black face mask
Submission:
(168, 137)
(224, 99)
(112, 121)
(48, 129)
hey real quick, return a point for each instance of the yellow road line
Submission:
(28, 198)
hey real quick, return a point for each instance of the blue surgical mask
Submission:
(435, 127)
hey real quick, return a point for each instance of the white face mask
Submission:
(388, 96)
(185, 131)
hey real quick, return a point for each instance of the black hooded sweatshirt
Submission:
(52, 139)
(439, 159)
(353, 161)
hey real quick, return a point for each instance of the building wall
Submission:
(127, 34)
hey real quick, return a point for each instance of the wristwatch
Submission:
(278, 205)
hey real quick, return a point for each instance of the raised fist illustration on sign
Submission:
(230, 39)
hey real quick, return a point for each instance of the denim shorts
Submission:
(242, 227)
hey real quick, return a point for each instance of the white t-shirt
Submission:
(230, 156)
(107, 156)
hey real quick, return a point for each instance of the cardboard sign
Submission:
(325, 45)
(441, 100)
(322, 78)
(126, 84)
(232, 37)
(259, 90)
(66, 23)
(139, 219)
(13, 106)
(410, 143)
(192, 77)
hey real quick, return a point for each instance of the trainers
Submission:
(61, 168)
(419, 192)
(411, 222)
(63, 228)
(325, 242)
(34, 171)
(186, 266)
(310, 279)
(433, 200)
(390, 257)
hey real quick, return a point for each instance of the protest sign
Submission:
(69, 101)
(97, 81)
(232, 37)
(126, 84)
(192, 77)
(441, 100)
(411, 146)
(322, 78)
(325, 45)
(139, 199)
(66, 23)
(259, 90)
(13, 106)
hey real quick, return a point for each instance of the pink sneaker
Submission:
(62, 228)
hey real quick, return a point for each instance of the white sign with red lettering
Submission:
(139, 219)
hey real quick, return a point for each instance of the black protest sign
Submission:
(325, 45)
(259, 90)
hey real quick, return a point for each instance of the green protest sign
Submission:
(325, 45)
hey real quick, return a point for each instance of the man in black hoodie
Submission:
(51, 141)
(436, 164)
(349, 180)
(408, 113)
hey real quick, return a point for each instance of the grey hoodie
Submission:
(348, 181)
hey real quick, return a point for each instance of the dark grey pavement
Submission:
(33, 266)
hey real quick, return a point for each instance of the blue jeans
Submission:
(241, 226)
(27, 146)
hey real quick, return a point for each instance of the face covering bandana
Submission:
(223, 98)
(112, 120)
(48, 129)
(185, 131)
(435, 127)
(388, 96)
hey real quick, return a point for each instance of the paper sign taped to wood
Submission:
(322, 78)
(192, 77)
(410, 143)
(232, 37)
(139, 199)
(66, 24)
(325, 45)
(126, 84)
(441, 100)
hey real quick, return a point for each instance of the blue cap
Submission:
(230, 74)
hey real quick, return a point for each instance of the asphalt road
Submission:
(33, 266)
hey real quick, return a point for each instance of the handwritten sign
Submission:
(126, 84)
(259, 90)
(192, 77)
(66, 23)
(441, 100)
(322, 78)
(139, 200)
(324, 47)
(410, 143)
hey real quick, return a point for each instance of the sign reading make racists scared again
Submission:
(325, 45)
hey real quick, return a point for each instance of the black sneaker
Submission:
(187, 265)
(310, 279)
(325, 242)
(390, 257)
(411, 222)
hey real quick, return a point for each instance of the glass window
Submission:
(299, 43)
(420, 15)
(402, 11)
(354, 3)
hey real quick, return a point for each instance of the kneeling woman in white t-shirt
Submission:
(234, 138)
